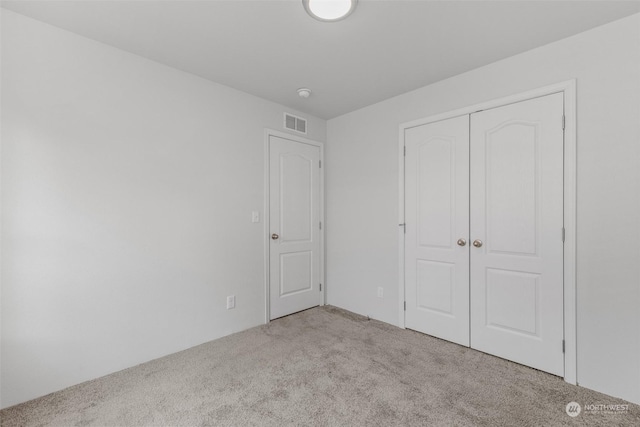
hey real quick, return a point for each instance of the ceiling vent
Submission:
(295, 123)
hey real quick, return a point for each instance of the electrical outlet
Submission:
(255, 216)
(231, 302)
(380, 291)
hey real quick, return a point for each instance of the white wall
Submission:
(362, 191)
(127, 191)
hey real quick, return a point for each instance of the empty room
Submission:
(319, 212)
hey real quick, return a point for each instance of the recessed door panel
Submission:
(436, 216)
(296, 208)
(294, 219)
(516, 195)
(512, 184)
(435, 286)
(435, 192)
(512, 301)
(296, 272)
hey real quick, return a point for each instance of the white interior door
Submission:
(517, 232)
(294, 220)
(437, 229)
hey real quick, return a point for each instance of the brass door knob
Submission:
(477, 243)
(274, 236)
(462, 242)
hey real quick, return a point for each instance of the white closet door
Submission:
(294, 216)
(437, 216)
(516, 228)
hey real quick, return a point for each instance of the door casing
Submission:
(568, 88)
(266, 216)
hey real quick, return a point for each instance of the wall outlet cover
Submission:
(231, 302)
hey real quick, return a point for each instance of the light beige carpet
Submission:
(327, 367)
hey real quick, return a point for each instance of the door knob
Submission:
(274, 236)
(462, 242)
(477, 243)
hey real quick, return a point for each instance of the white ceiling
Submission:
(271, 48)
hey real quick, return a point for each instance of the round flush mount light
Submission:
(329, 10)
(304, 92)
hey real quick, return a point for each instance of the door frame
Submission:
(268, 133)
(568, 88)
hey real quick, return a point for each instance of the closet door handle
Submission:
(477, 243)
(461, 242)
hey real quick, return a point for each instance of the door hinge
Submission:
(319, 163)
(563, 122)
(320, 225)
(405, 151)
(404, 226)
(320, 287)
(563, 234)
(563, 346)
(405, 306)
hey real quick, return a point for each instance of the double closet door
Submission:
(484, 231)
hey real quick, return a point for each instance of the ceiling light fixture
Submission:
(329, 10)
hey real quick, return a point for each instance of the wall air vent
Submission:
(295, 123)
